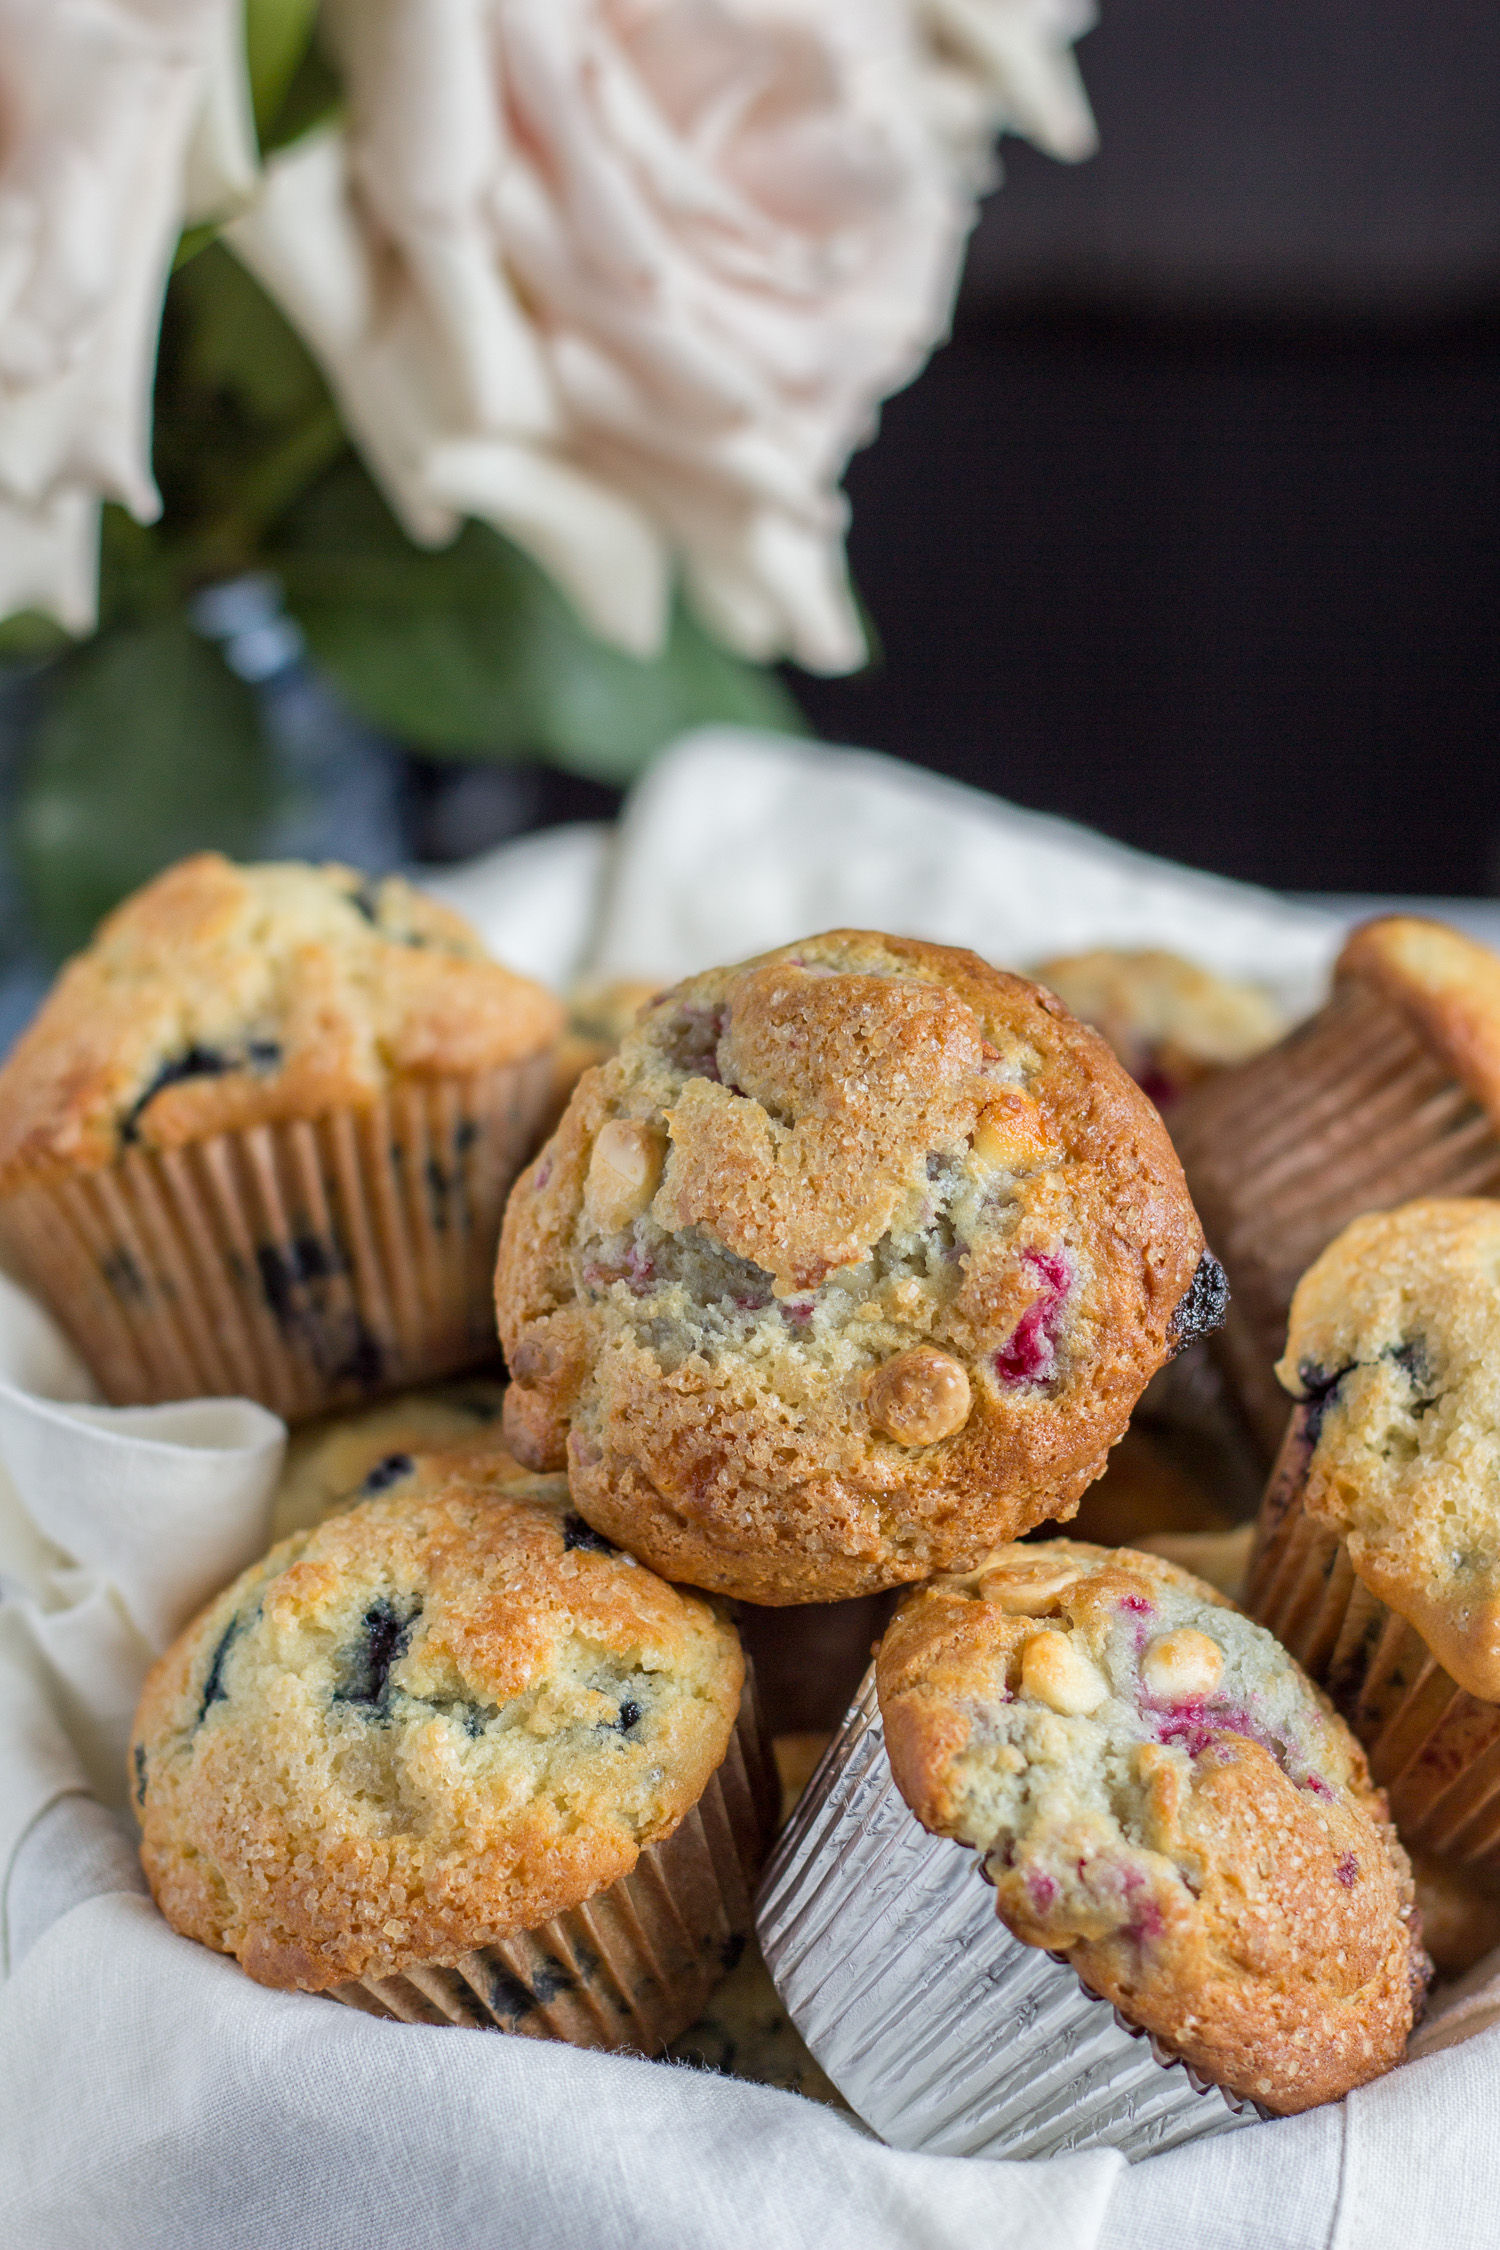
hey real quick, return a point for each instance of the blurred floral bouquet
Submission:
(524, 342)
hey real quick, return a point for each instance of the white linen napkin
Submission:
(736, 841)
(150, 2094)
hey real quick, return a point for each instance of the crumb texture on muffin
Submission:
(439, 1719)
(852, 1260)
(1161, 1795)
(222, 997)
(1169, 1021)
(1394, 1343)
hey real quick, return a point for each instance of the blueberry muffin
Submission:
(1378, 1557)
(1391, 1091)
(258, 1138)
(334, 1464)
(1160, 1795)
(853, 1259)
(452, 1757)
(1170, 1022)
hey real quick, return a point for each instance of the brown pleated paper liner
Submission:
(632, 1967)
(308, 1265)
(1352, 1113)
(1433, 1747)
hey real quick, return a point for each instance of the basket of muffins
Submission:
(847, 1277)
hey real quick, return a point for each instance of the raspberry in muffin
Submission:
(258, 1137)
(854, 1259)
(433, 1726)
(1161, 1796)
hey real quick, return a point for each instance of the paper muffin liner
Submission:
(309, 1265)
(939, 2028)
(1433, 1747)
(632, 1967)
(1353, 1113)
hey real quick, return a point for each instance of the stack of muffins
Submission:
(840, 1276)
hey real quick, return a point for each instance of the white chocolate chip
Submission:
(920, 1396)
(1184, 1663)
(624, 1173)
(1030, 1591)
(1056, 1672)
(1011, 1135)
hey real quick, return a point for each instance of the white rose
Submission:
(998, 66)
(122, 118)
(629, 279)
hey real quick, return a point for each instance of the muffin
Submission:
(258, 1138)
(600, 1012)
(333, 1464)
(1391, 1091)
(1378, 1554)
(1460, 1917)
(853, 1259)
(451, 1758)
(1159, 1794)
(1170, 1022)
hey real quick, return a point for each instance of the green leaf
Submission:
(238, 342)
(149, 747)
(26, 634)
(277, 36)
(471, 652)
(313, 95)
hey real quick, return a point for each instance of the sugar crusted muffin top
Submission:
(220, 997)
(1394, 1345)
(853, 1259)
(1160, 1794)
(429, 1724)
(1169, 1021)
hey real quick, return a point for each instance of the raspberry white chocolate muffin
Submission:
(430, 1724)
(258, 1138)
(1161, 1795)
(1169, 1021)
(853, 1259)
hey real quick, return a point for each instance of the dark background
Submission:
(1191, 532)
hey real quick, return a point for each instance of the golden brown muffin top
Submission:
(428, 1724)
(1446, 984)
(1169, 1021)
(221, 997)
(853, 1259)
(1394, 1343)
(1161, 1795)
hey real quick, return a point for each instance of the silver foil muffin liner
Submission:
(939, 2028)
